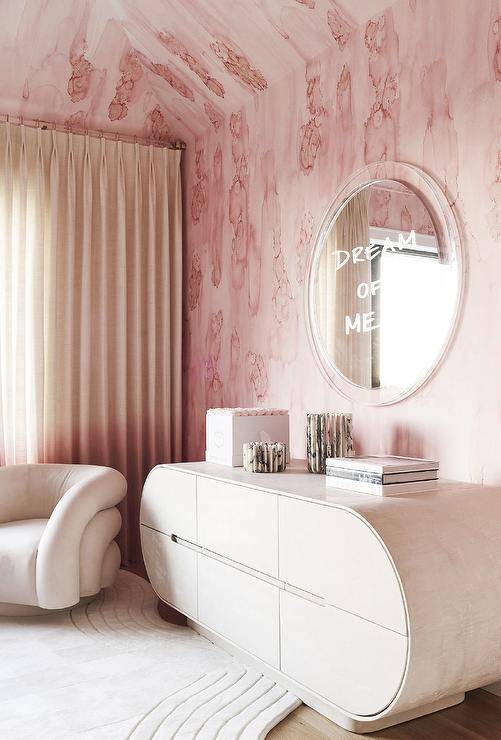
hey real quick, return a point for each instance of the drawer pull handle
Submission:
(302, 593)
(185, 543)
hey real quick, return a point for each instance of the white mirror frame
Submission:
(447, 233)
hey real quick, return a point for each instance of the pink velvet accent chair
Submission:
(57, 530)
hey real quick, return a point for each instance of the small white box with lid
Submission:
(228, 429)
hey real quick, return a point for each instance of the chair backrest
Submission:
(33, 491)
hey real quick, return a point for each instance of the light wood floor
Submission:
(477, 718)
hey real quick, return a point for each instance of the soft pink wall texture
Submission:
(279, 101)
(398, 209)
(158, 69)
(419, 83)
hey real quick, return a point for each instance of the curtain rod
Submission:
(114, 136)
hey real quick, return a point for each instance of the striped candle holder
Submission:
(327, 435)
(264, 457)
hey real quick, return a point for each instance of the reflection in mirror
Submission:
(385, 289)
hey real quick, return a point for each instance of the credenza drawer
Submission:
(239, 523)
(169, 502)
(352, 663)
(240, 607)
(172, 570)
(335, 554)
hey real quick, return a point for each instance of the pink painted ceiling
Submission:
(162, 69)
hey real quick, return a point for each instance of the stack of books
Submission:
(382, 476)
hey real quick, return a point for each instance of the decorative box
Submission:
(228, 429)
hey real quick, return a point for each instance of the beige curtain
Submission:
(90, 305)
(337, 292)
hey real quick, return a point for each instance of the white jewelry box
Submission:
(228, 429)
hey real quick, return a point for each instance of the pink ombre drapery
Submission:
(90, 305)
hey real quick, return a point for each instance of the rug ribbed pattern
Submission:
(112, 669)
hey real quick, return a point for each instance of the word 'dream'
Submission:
(359, 254)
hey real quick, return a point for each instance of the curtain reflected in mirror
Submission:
(336, 298)
(385, 288)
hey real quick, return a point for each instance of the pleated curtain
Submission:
(90, 306)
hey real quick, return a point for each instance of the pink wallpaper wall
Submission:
(419, 83)
(279, 101)
(158, 69)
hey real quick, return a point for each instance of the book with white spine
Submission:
(366, 476)
(375, 489)
(382, 464)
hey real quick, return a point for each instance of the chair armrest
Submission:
(58, 558)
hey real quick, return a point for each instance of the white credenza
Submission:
(372, 610)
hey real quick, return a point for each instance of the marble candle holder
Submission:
(327, 435)
(265, 457)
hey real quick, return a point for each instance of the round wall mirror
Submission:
(384, 283)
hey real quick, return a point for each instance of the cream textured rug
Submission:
(112, 669)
